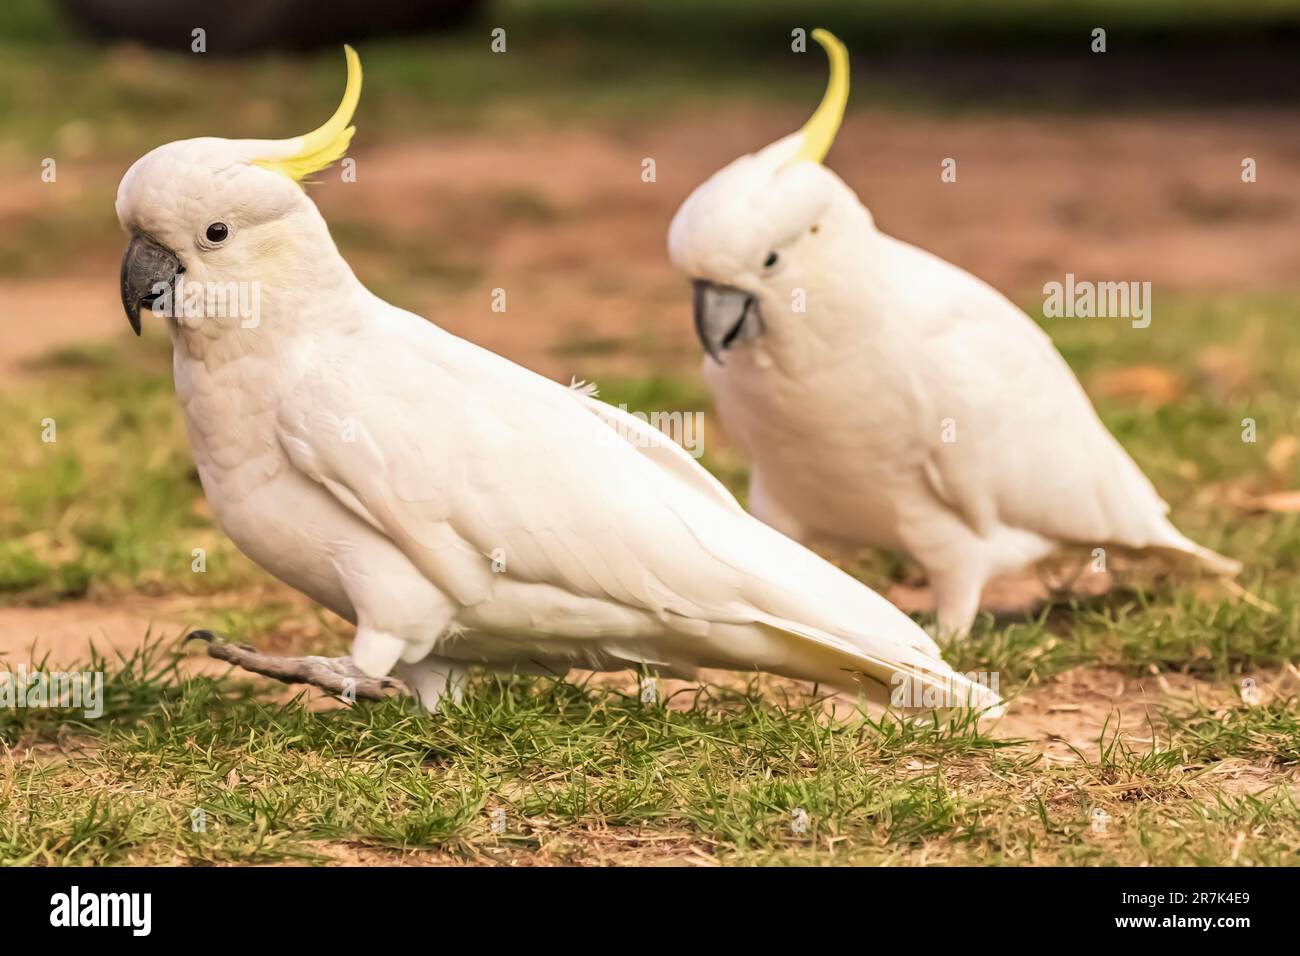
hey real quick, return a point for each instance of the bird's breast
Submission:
(830, 448)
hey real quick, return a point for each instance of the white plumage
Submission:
(458, 508)
(886, 397)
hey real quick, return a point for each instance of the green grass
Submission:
(113, 503)
(565, 62)
(722, 771)
(585, 772)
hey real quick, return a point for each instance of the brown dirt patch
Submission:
(63, 634)
(561, 219)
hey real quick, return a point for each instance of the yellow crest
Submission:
(819, 132)
(317, 149)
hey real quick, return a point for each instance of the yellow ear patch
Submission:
(819, 132)
(325, 145)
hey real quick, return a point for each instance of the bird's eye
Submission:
(770, 260)
(217, 232)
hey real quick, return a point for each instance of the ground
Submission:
(1133, 735)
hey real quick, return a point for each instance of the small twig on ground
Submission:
(1241, 594)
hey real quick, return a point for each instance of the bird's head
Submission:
(755, 237)
(208, 218)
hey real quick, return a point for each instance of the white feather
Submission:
(897, 401)
(461, 509)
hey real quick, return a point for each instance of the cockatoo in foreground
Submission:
(459, 509)
(888, 398)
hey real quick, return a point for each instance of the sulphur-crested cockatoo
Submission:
(458, 508)
(888, 398)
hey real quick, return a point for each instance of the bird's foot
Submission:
(336, 675)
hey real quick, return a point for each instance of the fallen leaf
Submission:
(1148, 384)
(1223, 372)
(1281, 452)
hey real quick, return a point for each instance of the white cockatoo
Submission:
(886, 397)
(459, 509)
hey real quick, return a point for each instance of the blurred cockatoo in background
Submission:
(460, 509)
(886, 397)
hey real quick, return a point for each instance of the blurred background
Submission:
(522, 170)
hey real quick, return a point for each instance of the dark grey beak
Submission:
(148, 271)
(724, 316)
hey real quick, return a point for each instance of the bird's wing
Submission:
(1014, 438)
(659, 448)
(458, 454)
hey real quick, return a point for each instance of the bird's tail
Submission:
(1182, 548)
(904, 678)
(1216, 563)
